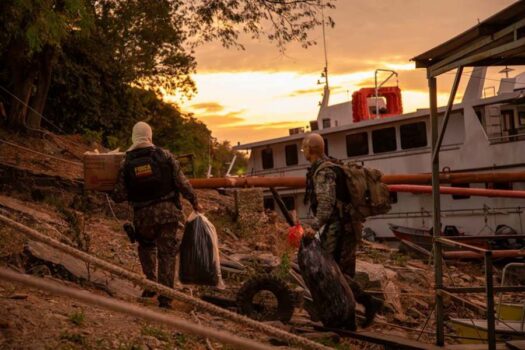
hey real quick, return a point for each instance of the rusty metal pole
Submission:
(436, 213)
(491, 317)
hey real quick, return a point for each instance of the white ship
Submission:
(484, 134)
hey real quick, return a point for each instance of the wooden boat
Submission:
(422, 238)
(475, 330)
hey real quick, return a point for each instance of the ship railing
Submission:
(459, 212)
(489, 289)
(500, 138)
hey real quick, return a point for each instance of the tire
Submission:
(276, 286)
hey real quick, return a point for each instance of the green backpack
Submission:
(369, 196)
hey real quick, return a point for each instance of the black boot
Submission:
(372, 306)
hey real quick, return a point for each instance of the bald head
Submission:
(313, 147)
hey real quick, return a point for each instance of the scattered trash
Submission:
(333, 298)
(199, 253)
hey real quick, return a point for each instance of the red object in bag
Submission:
(295, 234)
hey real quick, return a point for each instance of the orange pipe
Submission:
(465, 254)
(415, 179)
(252, 181)
(458, 191)
(299, 182)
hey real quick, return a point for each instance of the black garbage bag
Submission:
(199, 253)
(333, 299)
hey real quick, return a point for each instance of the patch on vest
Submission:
(143, 171)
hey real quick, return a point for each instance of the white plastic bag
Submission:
(199, 253)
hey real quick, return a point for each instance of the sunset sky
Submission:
(259, 93)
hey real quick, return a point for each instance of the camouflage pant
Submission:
(158, 246)
(340, 240)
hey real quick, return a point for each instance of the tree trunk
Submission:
(22, 82)
(22, 77)
(38, 101)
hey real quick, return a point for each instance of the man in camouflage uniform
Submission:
(325, 192)
(151, 179)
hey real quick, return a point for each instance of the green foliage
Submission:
(399, 259)
(181, 340)
(129, 346)
(40, 23)
(75, 338)
(283, 270)
(91, 136)
(156, 333)
(77, 318)
(113, 60)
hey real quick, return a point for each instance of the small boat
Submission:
(472, 331)
(422, 237)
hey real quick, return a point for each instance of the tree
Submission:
(31, 34)
(152, 40)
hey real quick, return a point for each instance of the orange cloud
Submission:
(208, 107)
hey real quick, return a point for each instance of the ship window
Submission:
(384, 140)
(326, 123)
(413, 135)
(267, 158)
(289, 202)
(460, 196)
(521, 116)
(325, 145)
(291, 154)
(269, 204)
(357, 144)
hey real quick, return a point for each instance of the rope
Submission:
(132, 310)
(40, 153)
(161, 289)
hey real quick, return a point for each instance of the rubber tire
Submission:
(276, 286)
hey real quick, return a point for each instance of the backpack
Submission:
(148, 175)
(368, 195)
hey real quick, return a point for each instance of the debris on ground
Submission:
(47, 195)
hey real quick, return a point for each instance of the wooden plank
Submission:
(386, 340)
(516, 345)
(499, 346)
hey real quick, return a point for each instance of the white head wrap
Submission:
(142, 136)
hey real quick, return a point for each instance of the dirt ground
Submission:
(44, 194)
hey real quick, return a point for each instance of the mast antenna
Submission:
(324, 46)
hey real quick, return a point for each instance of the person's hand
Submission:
(308, 232)
(198, 208)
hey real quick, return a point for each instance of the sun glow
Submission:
(250, 106)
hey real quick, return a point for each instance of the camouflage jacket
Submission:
(323, 197)
(325, 191)
(162, 212)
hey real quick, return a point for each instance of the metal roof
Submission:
(496, 41)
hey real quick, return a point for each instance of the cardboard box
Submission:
(101, 170)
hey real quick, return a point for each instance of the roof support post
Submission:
(451, 98)
(436, 214)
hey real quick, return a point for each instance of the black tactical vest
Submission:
(149, 175)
